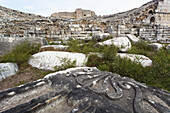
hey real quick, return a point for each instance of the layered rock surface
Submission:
(84, 89)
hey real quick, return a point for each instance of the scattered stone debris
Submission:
(150, 21)
(84, 89)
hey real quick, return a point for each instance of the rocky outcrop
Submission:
(7, 69)
(155, 46)
(84, 89)
(48, 60)
(143, 60)
(122, 43)
(133, 38)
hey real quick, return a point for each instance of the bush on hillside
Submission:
(157, 75)
(21, 53)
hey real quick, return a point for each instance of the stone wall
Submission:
(78, 14)
(163, 13)
(155, 32)
(68, 15)
(6, 13)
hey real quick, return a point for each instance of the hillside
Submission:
(6, 13)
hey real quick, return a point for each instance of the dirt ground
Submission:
(22, 77)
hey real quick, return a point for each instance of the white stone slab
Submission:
(7, 69)
(55, 47)
(49, 59)
(121, 42)
(155, 46)
(133, 38)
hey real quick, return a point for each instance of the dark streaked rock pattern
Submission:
(84, 90)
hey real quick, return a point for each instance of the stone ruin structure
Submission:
(78, 14)
(162, 13)
(150, 21)
(84, 90)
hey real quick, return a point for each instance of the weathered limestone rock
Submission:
(49, 59)
(56, 42)
(121, 42)
(155, 46)
(7, 69)
(53, 48)
(143, 60)
(84, 89)
(168, 47)
(133, 38)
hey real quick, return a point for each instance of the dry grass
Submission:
(24, 76)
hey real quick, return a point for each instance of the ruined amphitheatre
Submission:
(79, 62)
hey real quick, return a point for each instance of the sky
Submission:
(47, 7)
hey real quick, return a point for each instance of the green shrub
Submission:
(141, 44)
(74, 46)
(82, 47)
(157, 75)
(93, 61)
(66, 63)
(109, 53)
(21, 53)
(91, 34)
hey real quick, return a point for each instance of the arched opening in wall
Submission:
(150, 12)
(152, 20)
